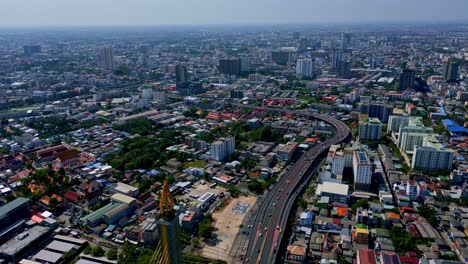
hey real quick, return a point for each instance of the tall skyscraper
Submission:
(296, 35)
(169, 249)
(31, 49)
(230, 66)
(451, 71)
(107, 56)
(181, 73)
(345, 69)
(406, 80)
(346, 41)
(305, 67)
(335, 57)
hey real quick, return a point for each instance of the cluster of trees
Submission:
(267, 133)
(429, 213)
(133, 254)
(206, 227)
(96, 251)
(404, 241)
(141, 126)
(234, 191)
(52, 126)
(258, 187)
(54, 183)
(147, 152)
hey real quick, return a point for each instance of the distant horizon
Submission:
(77, 13)
(350, 23)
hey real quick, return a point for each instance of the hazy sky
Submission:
(134, 12)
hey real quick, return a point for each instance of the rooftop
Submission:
(12, 205)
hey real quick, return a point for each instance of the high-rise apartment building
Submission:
(305, 68)
(346, 39)
(107, 57)
(381, 111)
(432, 156)
(362, 169)
(223, 148)
(370, 129)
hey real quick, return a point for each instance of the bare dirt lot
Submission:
(227, 222)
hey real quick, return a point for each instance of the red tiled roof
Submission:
(367, 256)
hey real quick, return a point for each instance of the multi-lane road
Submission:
(273, 212)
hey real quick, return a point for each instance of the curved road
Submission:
(272, 215)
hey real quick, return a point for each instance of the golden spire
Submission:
(166, 202)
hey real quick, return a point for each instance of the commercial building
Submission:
(345, 69)
(223, 148)
(286, 151)
(336, 192)
(432, 156)
(406, 80)
(13, 211)
(107, 57)
(362, 169)
(371, 129)
(230, 66)
(305, 67)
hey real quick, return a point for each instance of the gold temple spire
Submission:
(166, 202)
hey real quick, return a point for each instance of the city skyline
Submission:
(162, 12)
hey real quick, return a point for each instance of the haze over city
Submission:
(158, 12)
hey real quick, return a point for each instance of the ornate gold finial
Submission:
(166, 202)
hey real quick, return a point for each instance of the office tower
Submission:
(296, 35)
(362, 169)
(336, 56)
(305, 68)
(345, 69)
(406, 80)
(346, 41)
(451, 71)
(432, 156)
(29, 50)
(181, 73)
(281, 57)
(230, 66)
(381, 111)
(107, 56)
(245, 65)
(462, 96)
(223, 148)
(168, 250)
(303, 44)
(371, 129)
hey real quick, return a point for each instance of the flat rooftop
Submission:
(15, 245)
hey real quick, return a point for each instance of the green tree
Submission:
(112, 254)
(98, 251)
(234, 191)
